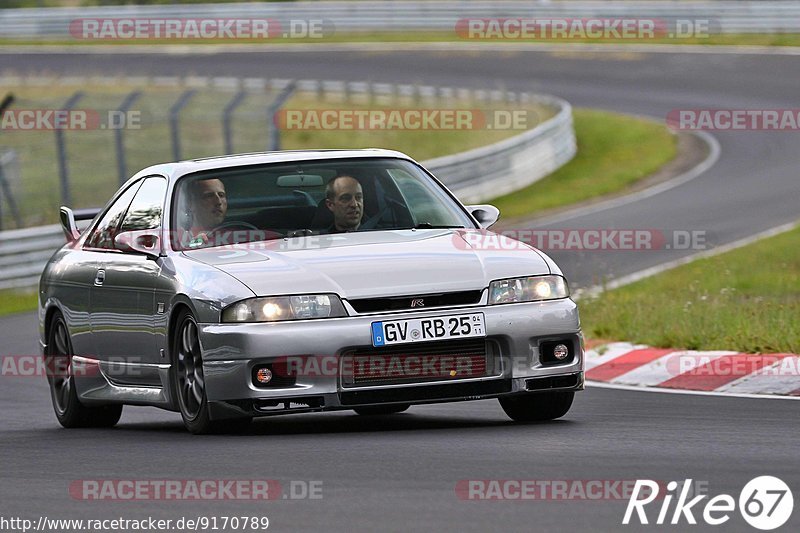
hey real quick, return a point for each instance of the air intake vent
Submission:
(419, 301)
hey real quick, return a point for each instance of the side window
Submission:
(146, 207)
(103, 234)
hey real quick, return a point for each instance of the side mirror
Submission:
(145, 242)
(67, 218)
(485, 214)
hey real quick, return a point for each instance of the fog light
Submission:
(263, 375)
(560, 351)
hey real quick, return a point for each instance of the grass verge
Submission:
(614, 151)
(746, 299)
(17, 301)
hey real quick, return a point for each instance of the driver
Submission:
(208, 205)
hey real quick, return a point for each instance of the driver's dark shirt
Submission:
(334, 229)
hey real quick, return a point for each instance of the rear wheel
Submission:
(189, 382)
(537, 407)
(372, 410)
(70, 412)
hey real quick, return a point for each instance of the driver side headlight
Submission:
(530, 289)
(279, 308)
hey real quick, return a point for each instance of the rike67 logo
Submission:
(765, 503)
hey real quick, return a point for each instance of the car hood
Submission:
(377, 263)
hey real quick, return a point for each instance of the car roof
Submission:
(177, 169)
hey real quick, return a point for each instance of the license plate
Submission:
(428, 329)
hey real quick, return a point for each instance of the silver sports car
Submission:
(253, 285)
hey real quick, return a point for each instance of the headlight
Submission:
(531, 289)
(279, 308)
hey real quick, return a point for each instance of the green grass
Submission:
(730, 39)
(614, 151)
(17, 301)
(747, 300)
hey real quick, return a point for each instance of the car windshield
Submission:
(287, 200)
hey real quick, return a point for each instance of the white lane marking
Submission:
(667, 367)
(617, 386)
(669, 265)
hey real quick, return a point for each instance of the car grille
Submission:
(418, 363)
(421, 301)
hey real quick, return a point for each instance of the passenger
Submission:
(345, 199)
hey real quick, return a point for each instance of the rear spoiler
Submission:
(68, 218)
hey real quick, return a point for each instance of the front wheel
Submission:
(70, 412)
(537, 407)
(189, 383)
(373, 410)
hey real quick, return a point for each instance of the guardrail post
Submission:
(61, 150)
(174, 116)
(122, 167)
(6, 188)
(274, 134)
(227, 134)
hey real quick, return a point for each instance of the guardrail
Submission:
(23, 253)
(474, 176)
(509, 165)
(728, 16)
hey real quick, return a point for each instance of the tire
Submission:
(375, 410)
(188, 382)
(70, 412)
(537, 407)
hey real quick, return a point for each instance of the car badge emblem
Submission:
(418, 302)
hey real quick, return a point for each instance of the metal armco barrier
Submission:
(23, 253)
(728, 16)
(509, 165)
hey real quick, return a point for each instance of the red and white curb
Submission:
(717, 372)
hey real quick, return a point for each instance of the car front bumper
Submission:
(514, 331)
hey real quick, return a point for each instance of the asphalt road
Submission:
(400, 473)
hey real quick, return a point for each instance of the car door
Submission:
(123, 301)
(87, 273)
